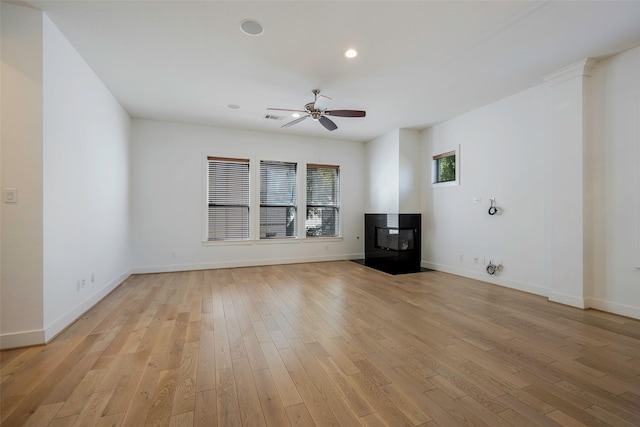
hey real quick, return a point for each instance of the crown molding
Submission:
(578, 69)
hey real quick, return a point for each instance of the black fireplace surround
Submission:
(392, 242)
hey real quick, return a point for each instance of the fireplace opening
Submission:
(394, 239)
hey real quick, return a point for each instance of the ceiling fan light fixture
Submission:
(251, 27)
(351, 53)
(296, 115)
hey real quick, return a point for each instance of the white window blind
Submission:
(228, 198)
(323, 200)
(278, 200)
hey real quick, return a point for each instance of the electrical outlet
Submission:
(83, 283)
(475, 259)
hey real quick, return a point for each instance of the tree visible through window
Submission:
(278, 200)
(323, 200)
(444, 167)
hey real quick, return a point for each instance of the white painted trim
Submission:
(494, 280)
(578, 69)
(244, 263)
(570, 300)
(68, 318)
(614, 307)
(22, 339)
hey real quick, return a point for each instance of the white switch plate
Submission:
(10, 195)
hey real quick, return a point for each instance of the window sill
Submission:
(444, 184)
(321, 239)
(226, 242)
(290, 240)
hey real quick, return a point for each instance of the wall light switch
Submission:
(10, 195)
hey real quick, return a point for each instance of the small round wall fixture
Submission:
(251, 27)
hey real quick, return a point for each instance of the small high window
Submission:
(445, 169)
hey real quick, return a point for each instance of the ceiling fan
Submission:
(317, 110)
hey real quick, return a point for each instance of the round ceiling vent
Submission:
(251, 27)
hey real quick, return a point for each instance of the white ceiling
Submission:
(419, 62)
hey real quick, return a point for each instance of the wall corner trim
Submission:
(578, 69)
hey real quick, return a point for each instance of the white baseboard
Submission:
(615, 308)
(570, 300)
(496, 280)
(22, 339)
(240, 263)
(68, 318)
(43, 336)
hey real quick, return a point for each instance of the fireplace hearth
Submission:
(393, 242)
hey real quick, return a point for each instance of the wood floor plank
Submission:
(206, 413)
(331, 343)
(272, 408)
(248, 401)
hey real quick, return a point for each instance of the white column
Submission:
(565, 182)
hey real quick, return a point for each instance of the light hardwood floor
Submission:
(326, 344)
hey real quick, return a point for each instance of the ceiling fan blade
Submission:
(346, 113)
(291, 123)
(328, 123)
(287, 109)
(322, 102)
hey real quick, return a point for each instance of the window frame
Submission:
(435, 160)
(260, 205)
(249, 205)
(337, 207)
(254, 199)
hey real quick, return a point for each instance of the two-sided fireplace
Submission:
(392, 242)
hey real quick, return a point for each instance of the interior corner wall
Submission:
(168, 184)
(613, 182)
(502, 156)
(86, 185)
(383, 173)
(409, 171)
(21, 297)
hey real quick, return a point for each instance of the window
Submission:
(278, 201)
(445, 169)
(323, 200)
(228, 199)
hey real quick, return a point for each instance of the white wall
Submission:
(613, 162)
(502, 156)
(382, 162)
(22, 277)
(168, 190)
(409, 171)
(86, 185)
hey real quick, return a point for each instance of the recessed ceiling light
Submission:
(351, 53)
(296, 115)
(251, 27)
(233, 106)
